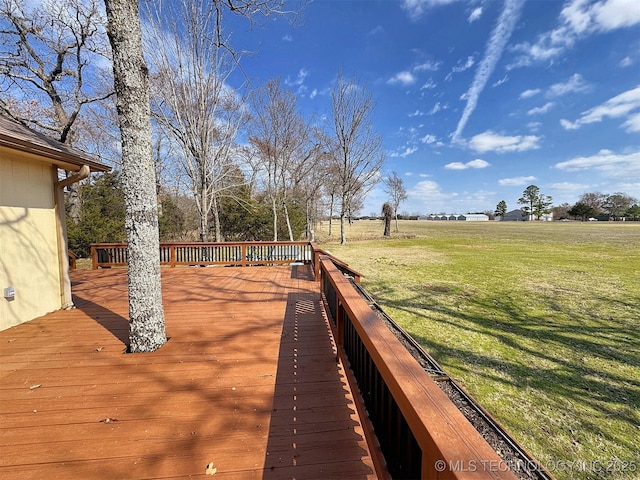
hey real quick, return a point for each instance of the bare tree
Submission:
(192, 100)
(146, 313)
(311, 187)
(281, 139)
(357, 150)
(394, 187)
(51, 56)
(50, 67)
(595, 200)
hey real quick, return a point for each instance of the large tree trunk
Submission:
(331, 214)
(343, 213)
(216, 219)
(274, 209)
(286, 216)
(146, 314)
(204, 220)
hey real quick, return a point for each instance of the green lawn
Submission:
(539, 321)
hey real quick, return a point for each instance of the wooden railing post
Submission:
(94, 258)
(173, 255)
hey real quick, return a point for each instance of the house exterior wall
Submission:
(29, 259)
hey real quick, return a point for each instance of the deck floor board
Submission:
(248, 380)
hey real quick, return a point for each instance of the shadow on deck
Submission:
(248, 380)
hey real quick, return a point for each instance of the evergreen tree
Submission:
(171, 220)
(101, 214)
(581, 210)
(501, 209)
(535, 203)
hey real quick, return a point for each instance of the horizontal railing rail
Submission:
(340, 265)
(420, 431)
(174, 254)
(72, 259)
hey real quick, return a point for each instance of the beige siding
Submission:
(28, 239)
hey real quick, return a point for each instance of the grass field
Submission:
(539, 321)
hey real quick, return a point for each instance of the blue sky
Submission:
(475, 100)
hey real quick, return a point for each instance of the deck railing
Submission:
(243, 254)
(421, 433)
(413, 428)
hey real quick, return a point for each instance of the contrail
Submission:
(495, 47)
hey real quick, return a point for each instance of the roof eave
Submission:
(60, 158)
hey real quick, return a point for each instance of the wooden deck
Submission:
(248, 381)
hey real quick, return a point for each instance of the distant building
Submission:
(476, 217)
(517, 215)
(520, 215)
(469, 217)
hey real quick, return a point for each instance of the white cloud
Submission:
(475, 14)
(540, 110)
(427, 66)
(534, 126)
(626, 62)
(567, 125)
(497, 42)
(404, 153)
(428, 85)
(492, 142)
(377, 30)
(516, 181)
(624, 105)
(403, 78)
(436, 108)
(613, 14)
(530, 93)
(575, 84)
(633, 123)
(428, 139)
(429, 192)
(477, 163)
(606, 164)
(578, 19)
(299, 80)
(468, 63)
(416, 8)
(455, 166)
(417, 113)
(287, 38)
(569, 186)
(501, 81)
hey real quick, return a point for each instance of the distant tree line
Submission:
(591, 205)
(615, 206)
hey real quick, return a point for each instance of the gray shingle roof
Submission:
(16, 136)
